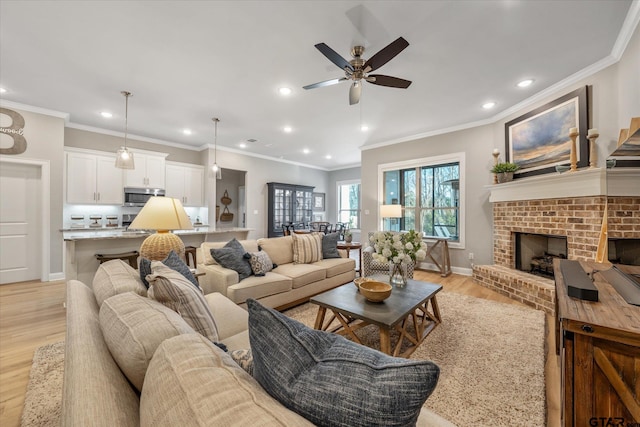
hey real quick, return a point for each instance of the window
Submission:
(349, 203)
(431, 194)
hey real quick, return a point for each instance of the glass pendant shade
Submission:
(217, 170)
(124, 159)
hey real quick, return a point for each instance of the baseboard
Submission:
(458, 270)
(56, 276)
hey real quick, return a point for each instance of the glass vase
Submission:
(397, 274)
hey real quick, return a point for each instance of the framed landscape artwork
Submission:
(539, 140)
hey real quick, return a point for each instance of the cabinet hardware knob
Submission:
(587, 328)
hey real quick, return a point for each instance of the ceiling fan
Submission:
(357, 69)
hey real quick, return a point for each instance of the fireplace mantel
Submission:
(581, 183)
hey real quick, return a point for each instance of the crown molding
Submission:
(30, 108)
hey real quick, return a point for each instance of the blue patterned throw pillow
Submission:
(172, 261)
(260, 262)
(332, 381)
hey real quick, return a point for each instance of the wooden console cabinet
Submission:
(599, 346)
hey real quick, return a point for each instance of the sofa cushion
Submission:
(115, 277)
(172, 261)
(174, 291)
(260, 263)
(133, 327)
(280, 249)
(307, 248)
(332, 381)
(336, 266)
(259, 287)
(330, 245)
(248, 245)
(190, 382)
(232, 256)
(301, 274)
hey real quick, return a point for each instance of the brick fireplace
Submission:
(570, 205)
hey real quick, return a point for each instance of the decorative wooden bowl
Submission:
(375, 291)
(359, 280)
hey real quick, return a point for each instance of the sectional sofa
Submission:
(131, 361)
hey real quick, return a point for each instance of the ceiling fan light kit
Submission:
(358, 69)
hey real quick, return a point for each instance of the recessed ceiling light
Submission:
(187, 131)
(242, 145)
(106, 114)
(3, 90)
(284, 91)
(364, 128)
(488, 105)
(525, 83)
(328, 157)
(306, 151)
(287, 129)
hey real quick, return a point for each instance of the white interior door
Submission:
(20, 222)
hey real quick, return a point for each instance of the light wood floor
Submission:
(32, 315)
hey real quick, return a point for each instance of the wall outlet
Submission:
(366, 211)
(255, 212)
(470, 255)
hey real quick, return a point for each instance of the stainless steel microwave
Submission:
(138, 196)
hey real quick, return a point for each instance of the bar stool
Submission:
(131, 257)
(190, 253)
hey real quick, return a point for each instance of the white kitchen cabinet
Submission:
(185, 182)
(93, 179)
(149, 171)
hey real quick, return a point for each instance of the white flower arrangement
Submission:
(398, 247)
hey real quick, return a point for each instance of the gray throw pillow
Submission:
(329, 245)
(231, 256)
(332, 381)
(174, 262)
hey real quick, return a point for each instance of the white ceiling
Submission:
(188, 61)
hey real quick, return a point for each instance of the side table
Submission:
(353, 245)
(444, 264)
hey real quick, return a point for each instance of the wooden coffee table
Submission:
(414, 304)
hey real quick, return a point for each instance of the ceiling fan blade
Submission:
(354, 93)
(334, 57)
(388, 81)
(386, 54)
(324, 83)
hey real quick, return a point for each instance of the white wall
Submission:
(44, 133)
(615, 99)
(259, 172)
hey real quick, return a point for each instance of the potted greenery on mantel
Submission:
(504, 171)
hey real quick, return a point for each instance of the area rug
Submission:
(491, 356)
(44, 391)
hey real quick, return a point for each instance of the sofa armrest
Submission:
(231, 319)
(216, 278)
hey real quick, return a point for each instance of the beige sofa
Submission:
(187, 380)
(287, 285)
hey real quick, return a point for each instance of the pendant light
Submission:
(124, 157)
(215, 168)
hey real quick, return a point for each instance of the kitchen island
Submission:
(82, 245)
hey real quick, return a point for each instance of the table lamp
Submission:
(162, 214)
(391, 211)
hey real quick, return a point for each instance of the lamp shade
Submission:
(162, 214)
(391, 211)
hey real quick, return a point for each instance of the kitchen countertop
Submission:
(120, 233)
